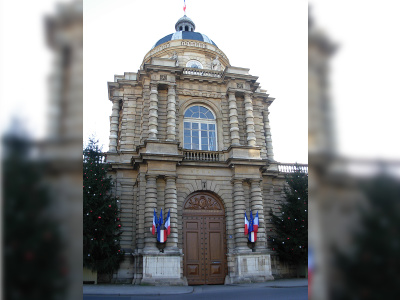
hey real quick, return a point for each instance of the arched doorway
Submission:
(204, 239)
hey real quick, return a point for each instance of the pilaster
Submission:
(114, 126)
(153, 112)
(239, 209)
(150, 205)
(171, 115)
(268, 139)
(171, 204)
(248, 106)
(257, 205)
(233, 119)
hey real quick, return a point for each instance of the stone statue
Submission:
(175, 56)
(215, 64)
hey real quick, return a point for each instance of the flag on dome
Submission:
(184, 6)
(168, 224)
(246, 224)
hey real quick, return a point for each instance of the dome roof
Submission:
(185, 31)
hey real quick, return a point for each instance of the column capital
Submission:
(255, 180)
(150, 176)
(236, 180)
(170, 177)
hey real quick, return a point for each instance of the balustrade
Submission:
(201, 72)
(201, 155)
(291, 168)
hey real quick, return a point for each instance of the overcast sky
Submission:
(269, 37)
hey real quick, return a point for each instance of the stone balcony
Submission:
(199, 155)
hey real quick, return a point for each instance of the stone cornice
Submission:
(197, 93)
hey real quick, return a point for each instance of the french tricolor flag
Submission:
(246, 224)
(153, 228)
(168, 225)
(184, 6)
(161, 233)
(255, 225)
(251, 229)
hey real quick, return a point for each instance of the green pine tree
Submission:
(369, 269)
(101, 224)
(290, 236)
(34, 266)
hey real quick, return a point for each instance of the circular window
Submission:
(194, 64)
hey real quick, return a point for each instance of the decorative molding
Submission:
(202, 202)
(200, 94)
(239, 85)
(163, 77)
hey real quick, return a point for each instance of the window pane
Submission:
(211, 126)
(210, 115)
(195, 147)
(187, 132)
(186, 124)
(203, 126)
(187, 139)
(204, 141)
(204, 134)
(195, 140)
(195, 125)
(186, 146)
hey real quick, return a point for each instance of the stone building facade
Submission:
(190, 134)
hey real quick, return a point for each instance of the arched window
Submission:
(199, 129)
(186, 28)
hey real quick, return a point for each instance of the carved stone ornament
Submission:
(200, 202)
(163, 77)
(239, 85)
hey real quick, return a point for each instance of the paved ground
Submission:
(132, 290)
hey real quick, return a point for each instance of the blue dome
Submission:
(185, 35)
(185, 31)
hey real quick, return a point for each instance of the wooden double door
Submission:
(204, 241)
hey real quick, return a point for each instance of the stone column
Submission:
(150, 241)
(114, 126)
(268, 139)
(171, 204)
(257, 205)
(248, 106)
(233, 119)
(171, 117)
(239, 209)
(153, 112)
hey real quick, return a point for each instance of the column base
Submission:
(162, 269)
(250, 267)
